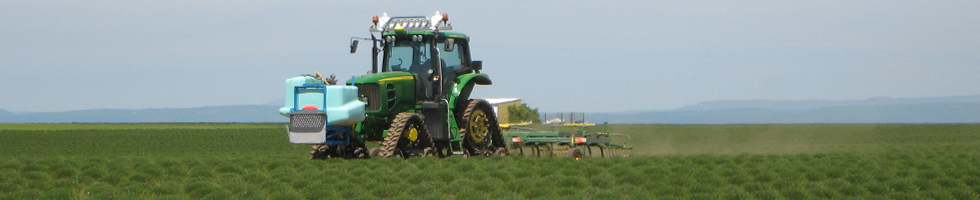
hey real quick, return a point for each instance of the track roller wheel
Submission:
(374, 152)
(406, 137)
(575, 153)
(429, 152)
(319, 152)
(480, 131)
(501, 151)
(360, 152)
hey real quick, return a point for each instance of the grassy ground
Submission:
(782, 139)
(236, 161)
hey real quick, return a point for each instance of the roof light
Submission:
(414, 23)
(399, 29)
(375, 20)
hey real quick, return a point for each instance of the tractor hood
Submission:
(379, 77)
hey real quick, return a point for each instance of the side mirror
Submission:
(450, 44)
(476, 65)
(353, 46)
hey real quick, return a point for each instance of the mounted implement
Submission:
(414, 102)
(562, 143)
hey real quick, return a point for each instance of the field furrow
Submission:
(219, 161)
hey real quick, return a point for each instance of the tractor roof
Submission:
(441, 34)
(415, 25)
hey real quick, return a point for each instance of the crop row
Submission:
(899, 175)
(880, 162)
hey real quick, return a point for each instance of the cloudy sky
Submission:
(556, 55)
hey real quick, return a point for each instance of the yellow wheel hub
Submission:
(478, 125)
(413, 134)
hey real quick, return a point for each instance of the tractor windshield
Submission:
(415, 57)
(407, 56)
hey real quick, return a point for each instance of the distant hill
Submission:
(960, 109)
(818, 104)
(920, 113)
(216, 114)
(278, 102)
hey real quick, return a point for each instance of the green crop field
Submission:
(255, 161)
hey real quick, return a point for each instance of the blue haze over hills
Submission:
(214, 114)
(957, 109)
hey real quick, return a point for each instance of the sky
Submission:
(585, 56)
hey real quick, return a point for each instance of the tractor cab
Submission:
(432, 67)
(417, 45)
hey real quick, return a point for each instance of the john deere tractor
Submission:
(415, 103)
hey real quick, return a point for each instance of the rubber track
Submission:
(493, 129)
(395, 133)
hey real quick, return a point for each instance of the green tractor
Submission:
(415, 103)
